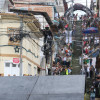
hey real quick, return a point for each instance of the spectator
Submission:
(66, 71)
(88, 71)
(62, 72)
(85, 68)
(57, 59)
(91, 71)
(92, 93)
(64, 61)
(90, 61)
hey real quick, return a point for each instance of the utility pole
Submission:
(71, 21)
(72, 13)
(21, 40)
(51, 63)
(68, 33)
(82, 59)
(65, 5)
(86, 3)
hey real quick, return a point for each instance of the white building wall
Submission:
(7, 53)
(4, 5)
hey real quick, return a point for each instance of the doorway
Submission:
(11, 69)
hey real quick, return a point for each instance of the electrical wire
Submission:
(35, 41)
(27, 34)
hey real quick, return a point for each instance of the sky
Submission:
(81, 2)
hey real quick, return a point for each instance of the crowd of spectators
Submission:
(89, 47)
(90, 43)
(62, 62)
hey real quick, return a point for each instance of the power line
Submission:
(35, 41)
(33, 44)
(17, 34)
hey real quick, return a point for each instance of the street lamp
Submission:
(16, 49)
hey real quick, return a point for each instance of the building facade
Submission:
(5, 5)
(39, 6)
(10, 25)
(60, 7)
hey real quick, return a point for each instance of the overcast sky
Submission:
(81, 2)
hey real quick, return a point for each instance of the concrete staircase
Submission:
(77, 49)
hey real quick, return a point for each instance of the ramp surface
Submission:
(42, 88)
(16, 88)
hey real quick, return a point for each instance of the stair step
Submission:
(76, 66)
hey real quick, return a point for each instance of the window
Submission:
(94, 0)
(29, 69)
(50, 3)
(35, 70)
(38, 70)
(13, 65)
(18, 65)
(13, 31)
(7, 64)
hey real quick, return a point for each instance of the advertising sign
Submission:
(16, 60)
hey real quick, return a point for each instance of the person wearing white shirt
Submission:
(88, 71)
(64, 60)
